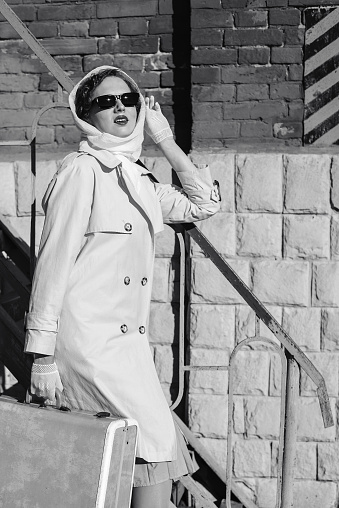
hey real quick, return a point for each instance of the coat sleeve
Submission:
(67, 204)
(198, 199)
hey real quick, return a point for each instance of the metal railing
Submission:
(291, 355)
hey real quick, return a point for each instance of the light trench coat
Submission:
(92, 285)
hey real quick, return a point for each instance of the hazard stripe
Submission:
(321, 71)
(322, 57)
(324, 25)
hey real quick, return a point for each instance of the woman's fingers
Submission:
(149, 101)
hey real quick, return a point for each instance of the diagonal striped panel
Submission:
(321, 76)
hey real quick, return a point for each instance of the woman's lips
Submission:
(121, 120)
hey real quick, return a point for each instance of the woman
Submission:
(91, 291)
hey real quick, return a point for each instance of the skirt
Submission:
(152, 473)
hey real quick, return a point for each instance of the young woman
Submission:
(88, 313)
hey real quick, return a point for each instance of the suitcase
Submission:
(51, 458)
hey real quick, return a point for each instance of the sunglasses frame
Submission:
(116, 97)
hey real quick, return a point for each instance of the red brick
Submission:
(25, 12)
(251, 19)
(208, 37)
(146, 79)
(286, 91)
(130, 45)
(33, 64)
(210, 130)
(8, 32)
(166, 43)
(93, 61)
(165, 6)
(251, 74)
(132, 26)
(10, 64)
(204, 75)
(221, 93)
(277, 3)
(69, 46)
(70, 63)
(14, 83)
(102, 27)
(13, 134)
(69, 134)
(167, 79)
(211, 18)
(252, 92)
(254, 55)
(255, 129)
(37, 100)
(42, 30)
(295, 72)
(20, 119)
(18, 47)
(207, 111)
(126, 8)
(11, 100)
(288, 130)
(286, 55)
(268, 109)
(296, 110)
(285, 17)
(294, 36)
(241, 111)
(66, 12)
(129, 62)
(44, 135)
(57, 116)
(253, 37)
(161, 25)
(214, 56)
(205, 4)
(74, 29)
(159, 63)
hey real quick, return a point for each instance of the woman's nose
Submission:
(119, 106)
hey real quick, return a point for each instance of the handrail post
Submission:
(290, 436)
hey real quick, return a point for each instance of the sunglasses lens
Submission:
(130, 99)
(106, 101)
(109, 101)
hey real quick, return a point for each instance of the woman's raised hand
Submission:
(156, 125)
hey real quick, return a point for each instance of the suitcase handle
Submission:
(59, 400)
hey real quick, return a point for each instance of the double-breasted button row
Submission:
(124, 329)
(128, 226)
(127, 281)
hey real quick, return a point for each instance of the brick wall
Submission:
(226, 71)
(282, 238)
(136, 36)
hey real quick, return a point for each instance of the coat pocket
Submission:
(113, 225)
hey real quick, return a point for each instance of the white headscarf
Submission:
(110, 150)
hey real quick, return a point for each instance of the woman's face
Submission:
(119, 120)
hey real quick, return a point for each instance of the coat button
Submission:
(124, 328)
(127, 280)
(142, 329)
(144, 281)
(128, 226)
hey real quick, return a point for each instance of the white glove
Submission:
(44, 380)
(156, 125)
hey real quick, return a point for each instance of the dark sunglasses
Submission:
(128, 99)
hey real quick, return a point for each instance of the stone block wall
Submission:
(279, 230)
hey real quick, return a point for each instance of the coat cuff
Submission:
(41, 333)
